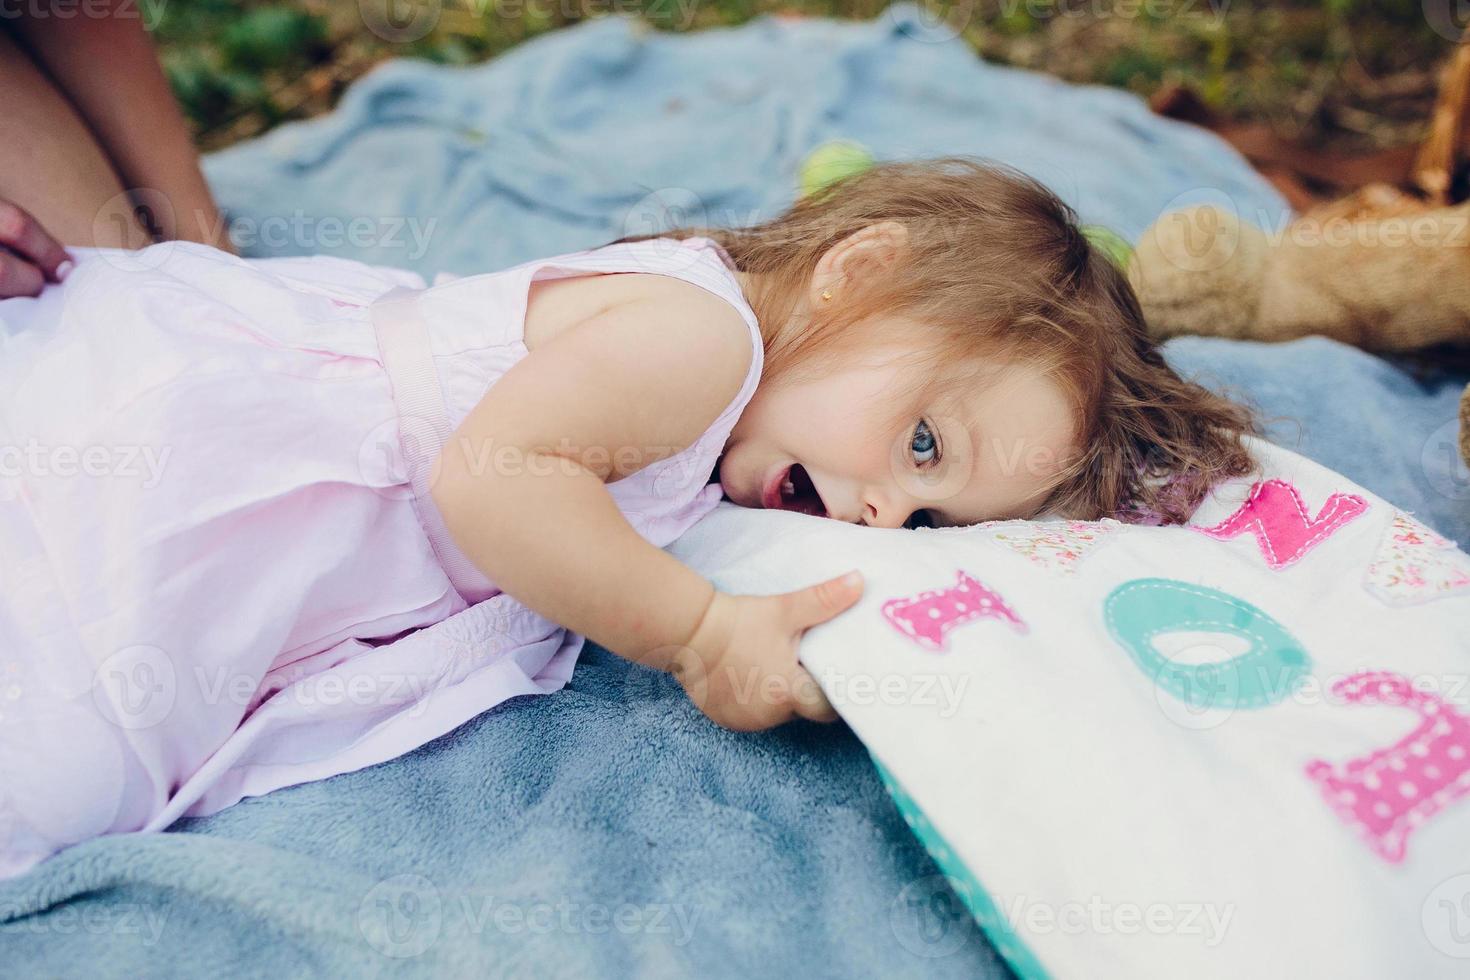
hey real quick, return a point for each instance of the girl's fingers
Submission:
(24, 236)
(808, 607)
(819, 603)
(18, 277)
(809, 700)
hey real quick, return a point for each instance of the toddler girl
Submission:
(266, 521)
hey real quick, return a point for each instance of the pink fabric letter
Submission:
(1278, 518)
(1390, 793)
(929, 616)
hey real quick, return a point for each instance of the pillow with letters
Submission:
(1236, 748)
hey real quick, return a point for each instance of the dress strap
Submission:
(423, 419)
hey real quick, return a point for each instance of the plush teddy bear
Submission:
(1383, 269)
(1379, 269)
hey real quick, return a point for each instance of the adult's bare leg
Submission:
(52, 166)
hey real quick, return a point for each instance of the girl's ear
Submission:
(867, 251)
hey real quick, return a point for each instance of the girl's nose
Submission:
(883, 508)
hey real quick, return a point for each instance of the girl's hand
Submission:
(740, 667)
(29, 257)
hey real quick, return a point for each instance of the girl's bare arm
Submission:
(522, 483)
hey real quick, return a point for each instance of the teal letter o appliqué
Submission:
(1273, 667)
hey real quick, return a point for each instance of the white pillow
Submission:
(1234, 749)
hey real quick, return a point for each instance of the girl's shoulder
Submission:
(693, 277)
(554, 305)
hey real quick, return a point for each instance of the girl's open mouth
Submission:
(792, 489)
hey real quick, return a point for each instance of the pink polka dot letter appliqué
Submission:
(928, 617)
(1390, 793)
(1277, 516)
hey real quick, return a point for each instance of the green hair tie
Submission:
(830, 162)
(836, 159)
(1109, 243)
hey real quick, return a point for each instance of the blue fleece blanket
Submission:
(608, 829)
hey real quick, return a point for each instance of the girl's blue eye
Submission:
(925, 448)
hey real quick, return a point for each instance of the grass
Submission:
(1339, 73)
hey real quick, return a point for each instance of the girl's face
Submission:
(860, 445)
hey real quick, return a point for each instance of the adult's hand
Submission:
(29, 256)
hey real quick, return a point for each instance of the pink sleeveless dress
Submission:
(219, 571)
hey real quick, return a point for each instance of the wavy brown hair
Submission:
(996, 266)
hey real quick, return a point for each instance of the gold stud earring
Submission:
(826, 295)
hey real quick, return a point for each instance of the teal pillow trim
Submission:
(966, 885)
